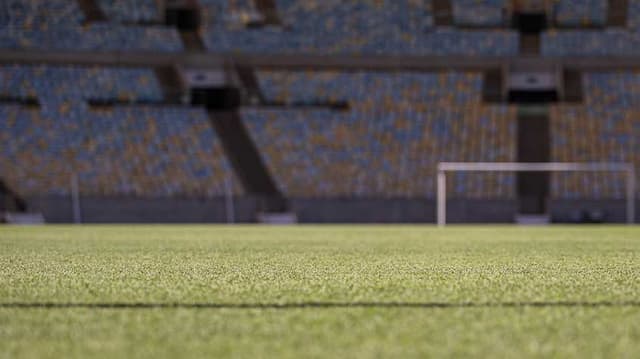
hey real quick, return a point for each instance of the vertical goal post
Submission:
(444, 167)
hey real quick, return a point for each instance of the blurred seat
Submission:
(388, 144)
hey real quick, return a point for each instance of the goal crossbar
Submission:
(444, 167)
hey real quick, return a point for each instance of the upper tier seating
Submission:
(39, 14)
(132, 10)
(485, 13)
(126, 151)
(576, 13)
(590, 42)
(338, 27)
(58, 24)
(633, 15)
(399, 125)
(98, 36)
(608, 42)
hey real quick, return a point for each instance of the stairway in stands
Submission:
(534, 145)
(249, 81)
(533, 134)
(246, 161)
(222, 96)
(222, 102)
(171, 83)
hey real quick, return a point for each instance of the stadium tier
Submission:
(104, 37)
(371, 128)
(481, 13)
(593, 134)
(355, 27)
(50, 84)
(389, 91)
(590, 42)
(606, 128)
(437, 42)
(576, 13)
(59, 24)
(39, 14)
(612, 89)
(132, 151)
(399, 125)
(616, 41)
(633, 14)
(327, 27)
(133, 10)
(323, 154)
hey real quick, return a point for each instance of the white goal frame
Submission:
(444, 167)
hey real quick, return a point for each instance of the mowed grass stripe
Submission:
(318, 291)
(317, 264)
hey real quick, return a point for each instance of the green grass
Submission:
(347, 291)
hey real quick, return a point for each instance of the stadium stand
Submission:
(481, 13)
(402, 128)
(616, 41)
(612, 89)
(590, 42)
(605, 128)
(230, 13)
(105, 37)
(332, 134)
(49, 83)
(576, 13)
(58, 24)
(396, 89)
(633, 15)
(132, 10)
(357, 27)
(590, 134)
(140, 151)
(39, 14)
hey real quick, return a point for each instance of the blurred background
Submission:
(315, 111)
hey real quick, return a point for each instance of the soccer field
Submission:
(319, 291)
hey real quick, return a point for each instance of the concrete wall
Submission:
(137, 210)
(401, 210)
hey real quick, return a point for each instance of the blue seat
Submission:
(388, 144)
(135, 151)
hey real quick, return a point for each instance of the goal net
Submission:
(446, 167)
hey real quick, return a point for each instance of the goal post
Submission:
(444, 167)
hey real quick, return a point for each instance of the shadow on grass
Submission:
(304, 305)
